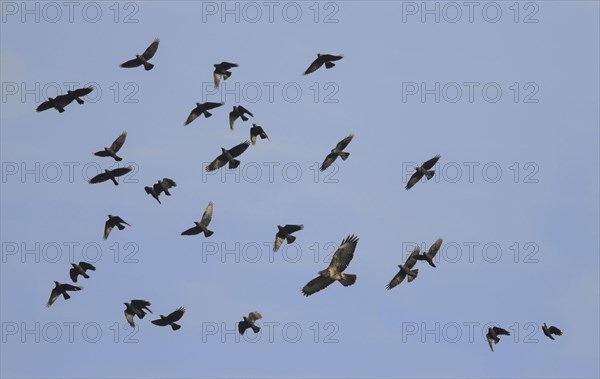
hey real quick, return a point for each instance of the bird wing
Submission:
(191, 231)
(44, 106)
(120, 171)
(397, 279)
(253, 316)
(242, 326)
(216, 78)
(329, 159)
(243, 110)
(140, 304)
(219, 162)
(500, 331)
(87, 266)
(73, 274)
(343, 255)
(102, 177)
(207, 216)
(317, 284)
(314, 66)
(555, 330)
(292, 228)
(430, 163)
(119, 220)
(151, 50)
(232, 117)
(53, 296)
(129, 317)
(68, 287)
(108, 226)
(209, 105)
(82, 92)
(331, 58)
(161, 321)
(343, 143)
(412, 260)
(116, 145)
(434, 248)
(278, 242)
(193, 115)
(489, 340)
(131, 63)
(227, 65)
(239, 149)
(167, 183)
(176, 315)
(413, 180)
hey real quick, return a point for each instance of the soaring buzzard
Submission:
(423, 170)
(337, 152)
(322, 58)
(61, 101)
(113, 149)
(406, 270)
(144, 58)
(110, 175)
(202, 226)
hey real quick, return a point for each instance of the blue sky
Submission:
(528, 210)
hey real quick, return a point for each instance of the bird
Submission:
(257, 130)
(492, 335)
(144, 58)
(337, 151)
(136, 308)
(406, 270)
(111, 223)
(176, 315)
(327, 59)
(201, 109)
(61, 101)
(159, 187)
(228, 156)
(61, 289)
(110, 175)
(341, 258)
(80, 269)
(285, 233)
(250, 322)
(549, 331)
(78, 94)
(238, 111)
(423, 170)
(202, 226)
(222, 71)
(113, 149)
(431, 253)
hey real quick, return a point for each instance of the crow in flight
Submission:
(228, 156)
(113, 149)
(80, 269)
(431, 253)
(61, 289)
(322, 58)
(423, 170)
(285, 233)
(176, 315)
(110, 175)
(61, 101)
(492, 335)
(159, 187)
(136, 308)
(144, 58)
(337, 151)
(111, 223)
(201, 109)
(406, 270)
(549, 331)
(202, 226)
(237, 112)
(257, 130)
(222, 71)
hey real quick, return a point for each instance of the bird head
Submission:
(110, 216)
(73, 264)
(138, 56)
(56, 283)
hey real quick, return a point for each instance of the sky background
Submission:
(529, 209)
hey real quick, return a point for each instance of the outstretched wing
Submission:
(343, 143)
(343, 255)
(73, 274)
(278, 242)
(242, 110)
(216, 78)
(44, 106)
(102, 177)
(412, 260)
(116, 145)
(219, 162)
(501, 332)
(430, 163)
(329, 159)
(331, 58)
(108, 227)
(232, 117)
(239, 149)
(253, 316)
(120, 171)
(316, 285)
(555, 330)
(191, 231)
(292, 228)
(129, 317)
(87, 266)
(434, 248)
(414, 179)
(209, 105)
(207, 216)
(151, 50)
(161, 321)
(176, 315)
(80, 92)
(193, 115)
(314, 66)
(397, 279)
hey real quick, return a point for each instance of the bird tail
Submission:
(429, 174)
(290, 239)
(66, 295)
(167, 193)
(208, 233)
(411, 278)
(348, 280)
(79, 101)
(255, 328)
(552, 338)
(234, 164)
(432, 264)
(148, 66)
(226, 75)
(117, 158)
(207, 114)
(344, 155)
(121, 227)
(244, 118)
(148, 190)
(175, 326)
(329, 64)
(61, 110)
(85, 275)
(114, 181)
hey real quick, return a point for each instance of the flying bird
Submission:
(406, 270)
(431, 253)
(61, 289)
(337, 152)
(202, 226)
(80, 269)
(423, 170)
(159, 187)
(61, 101)
(492, 335)
(136, 308)
(111, 223)
(110, 175)
(341, 258)
(201, 109)
(228, 156)
(222, 71)
(78, 94)
(257, 130)
(249, 322)
(176, 315)
(113, 149)
(237, 112)
(144, 58)
(549, 331)
(326, 59)
(285, 233)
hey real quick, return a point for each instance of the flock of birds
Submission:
(342, 256)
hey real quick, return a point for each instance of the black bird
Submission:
(423, 170)
(61, 289)
(61, 101)
(201, 109)
(222, 71)
(113, 149)
(228, 156)
(159, 187)
(78, 94)
(406, 270)
(136, 308)
(111, 223)
(257, 130)
(337, 152)
(110, 175)
(493, 333)
(202, 226)
(238, 111)
(285, 233)
(170, 319)
(431, 253)
(549, 331)
(249, 322)
(80, 269)
(144, 58)
(322, 58)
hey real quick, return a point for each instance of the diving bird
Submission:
(228, 156)
(144, 58)
(222, 71)
(285, 233)
(337, 152)
(202, 226)
(431, 253)
(61, 289)
(159, 187)
(136, 308)
(341, 258)
(176, 315)
(80, 269)
(61, 101)
(113, 149)
(237, 112)
(201, 109)
(492, 335)
(249, 322)
(406, 270)
(110, 175)
(111, 223)
(423, 170)
(257, 130)
(549, 331)
(326, 59)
